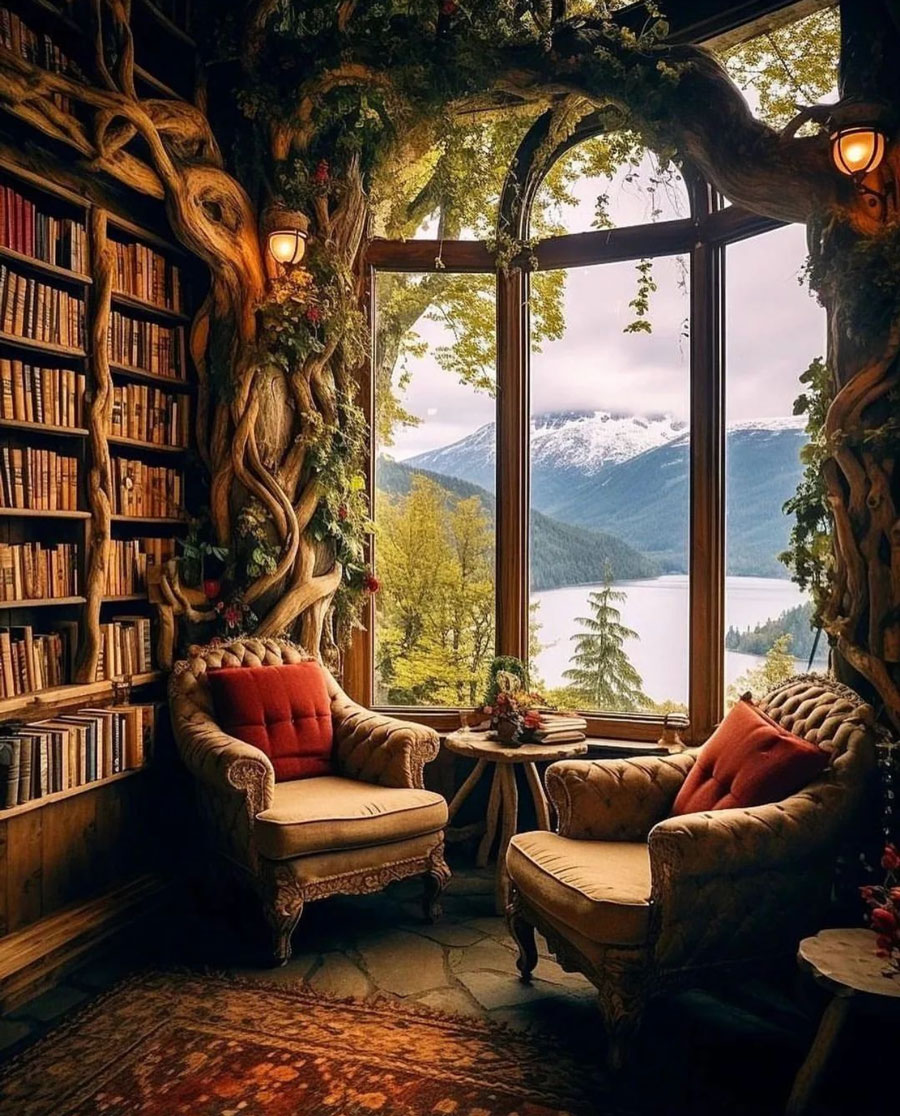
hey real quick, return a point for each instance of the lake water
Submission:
(658, 610)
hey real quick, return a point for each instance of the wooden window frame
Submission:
(703, 239)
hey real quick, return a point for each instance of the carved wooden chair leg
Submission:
(436, 879)
(622, 1016)
(282, 905)
(522, 933)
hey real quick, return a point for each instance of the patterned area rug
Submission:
(168, 1044)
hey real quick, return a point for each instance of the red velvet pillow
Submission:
(750, 760)
(282, 710)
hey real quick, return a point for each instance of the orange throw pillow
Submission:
(749, 760)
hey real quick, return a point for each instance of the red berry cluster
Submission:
(884, 907)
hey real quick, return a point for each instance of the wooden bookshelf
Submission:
(61, 796)
(41, 602)
(37, 513)
(146, 447)
(40, 703)
(48, 347)
(125, 301)
(44, 428)
(141, 375)
(44, 269)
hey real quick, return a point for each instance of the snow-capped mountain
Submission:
(629, 475)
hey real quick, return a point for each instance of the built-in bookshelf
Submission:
(74, 854)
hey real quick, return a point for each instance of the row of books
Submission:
(38, 571)
(147, 345)
(149, 415)
(26, 229)
(37, 479)
(29, 393)
(31, 308)
(31, 662)
(72, 749)
(125, 648)
(146, 274)
(129, 560)
(37, 48)
(140, 489)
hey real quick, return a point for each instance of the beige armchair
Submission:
(352, 832)
(642, 903)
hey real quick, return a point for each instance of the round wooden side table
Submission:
(843, 962)
(503, 803)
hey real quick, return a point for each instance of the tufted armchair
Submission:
(298, 840)
(641, 902)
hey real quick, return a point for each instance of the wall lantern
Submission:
(858, 150)
(287, 246)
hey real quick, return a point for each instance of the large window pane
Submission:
(774, 330)
(434, 546)
(610, 494)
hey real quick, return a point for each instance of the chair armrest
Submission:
(224, 763)
(742, 883)
(374, 748)
(749, 839)
(615, 800)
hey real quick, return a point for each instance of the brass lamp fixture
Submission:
(858, 150)
(285, 233)
(860, 132)
(287, 246)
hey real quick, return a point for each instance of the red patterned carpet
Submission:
(168, 1044)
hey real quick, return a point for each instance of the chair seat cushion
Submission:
(283, 710)
(750, 760)
(329, 813)
(601, 889)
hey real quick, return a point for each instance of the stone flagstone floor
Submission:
(697, 1053)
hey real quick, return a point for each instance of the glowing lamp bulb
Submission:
(857, 151)
(287, 246)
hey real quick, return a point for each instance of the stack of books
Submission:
(125, 648)
(37, 48)
(147, 346)
(38, 571)
(30, 308)
(41, 395)
(146, 490)
(149, 415)
(55, 240)
(30, 662)
(37, 479)
(146, 274)
(560, 728)
(129, 560)
(45, 757)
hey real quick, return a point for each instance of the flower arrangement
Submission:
(514, 711)
(883, 903)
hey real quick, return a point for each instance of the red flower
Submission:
(890, 860)
(322, 173)
(371, 584)
(532, 719)
(314, 315)
(342, 512)
(212, 586)
(867, 892)
(883, 920)
(232, 616)
(448, 7)
(894, 894)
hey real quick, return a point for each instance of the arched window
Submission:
(581, 458)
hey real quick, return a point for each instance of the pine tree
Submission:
(601, 673)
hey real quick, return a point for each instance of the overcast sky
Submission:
(774, 328)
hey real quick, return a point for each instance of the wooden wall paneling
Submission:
(68, 850)
(25, 865)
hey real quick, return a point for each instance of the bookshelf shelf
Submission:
(179, 520)
(42, 602)
(37, 513)
(42, 346)
(44, 428)
(143, 376)
(44, 185)
(149, 447)
(122, 225)
(126, 597)
(47, 270)
(59, 796)
(37, 703)
(132, 302)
